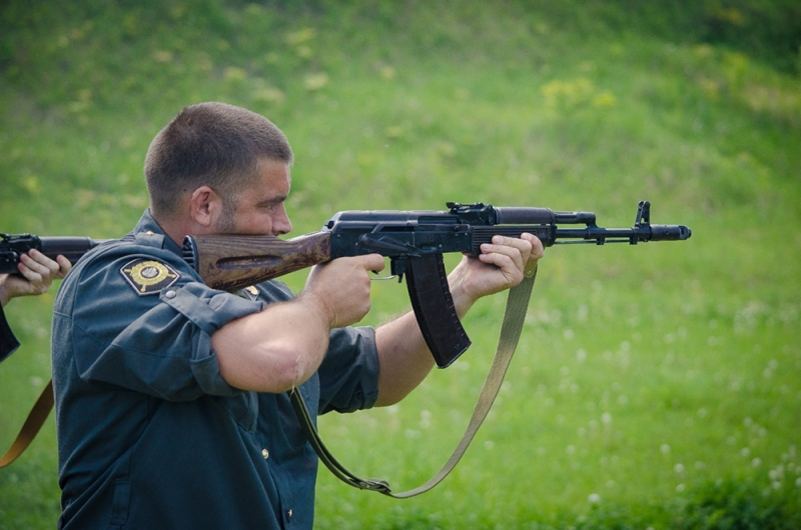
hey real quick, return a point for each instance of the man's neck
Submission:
(175, 229)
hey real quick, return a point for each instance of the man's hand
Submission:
(501, 265)
(38, 272)
(341, 288)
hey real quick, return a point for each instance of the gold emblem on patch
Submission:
(148, 276)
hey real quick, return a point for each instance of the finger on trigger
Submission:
(64, 266)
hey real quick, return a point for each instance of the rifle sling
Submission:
(34, 422)
(513, 319)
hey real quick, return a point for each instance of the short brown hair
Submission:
(211, 144)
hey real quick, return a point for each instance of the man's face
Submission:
(259, 210)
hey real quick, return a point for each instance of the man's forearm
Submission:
(404, 359)
(266, 352)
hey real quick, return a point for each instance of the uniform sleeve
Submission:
(156, 343)
(349, 372)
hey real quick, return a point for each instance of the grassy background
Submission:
(655, 386)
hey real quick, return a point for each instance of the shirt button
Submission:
(170, 294)
(289, 514)
(265, 453)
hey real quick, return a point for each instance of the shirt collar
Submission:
(148, 224)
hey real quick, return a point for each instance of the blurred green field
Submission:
(655, 386)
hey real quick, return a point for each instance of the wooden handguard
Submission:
(231, 263)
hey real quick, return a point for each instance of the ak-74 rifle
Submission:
(415, 242)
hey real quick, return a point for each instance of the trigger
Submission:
(380, 278)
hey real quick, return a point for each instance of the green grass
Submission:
(654, 386)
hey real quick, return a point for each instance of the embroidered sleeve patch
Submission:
(148, 276)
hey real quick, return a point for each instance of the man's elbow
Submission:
(387, 398)
(272, 371)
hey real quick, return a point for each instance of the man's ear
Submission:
(205, 206)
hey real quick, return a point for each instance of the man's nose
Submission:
(282, 224)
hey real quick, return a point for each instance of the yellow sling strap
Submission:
(513, 320)
(30, 428)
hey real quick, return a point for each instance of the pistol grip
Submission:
(433, 306)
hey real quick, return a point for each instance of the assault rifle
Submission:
(415, 242)
(13, 246)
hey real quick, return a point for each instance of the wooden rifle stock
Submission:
(229, 263)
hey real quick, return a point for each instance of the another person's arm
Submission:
(37, 272)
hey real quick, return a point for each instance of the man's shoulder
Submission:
(130, 265)
(131, 247)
